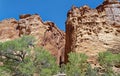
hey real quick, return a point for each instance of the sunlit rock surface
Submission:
(91, 31)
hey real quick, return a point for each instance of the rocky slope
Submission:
(45, 33)
(92, 31)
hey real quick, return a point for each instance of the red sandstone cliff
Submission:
(46, 34)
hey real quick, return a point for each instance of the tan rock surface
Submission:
(92, 31)
(8, 30)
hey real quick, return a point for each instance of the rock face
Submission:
(92, 31)
(45, 33)
(8, 30)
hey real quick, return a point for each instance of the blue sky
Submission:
(52, 10)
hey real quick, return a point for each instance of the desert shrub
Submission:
(107, 60)
(20, 59)
(91, 72)
(47, 63)
(41, 62)
(77, 65)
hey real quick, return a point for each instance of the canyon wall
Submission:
(88, 31)
(91, 31)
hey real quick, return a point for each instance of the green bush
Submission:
(107, 60)
(21, 60)
(77, 65)
(13, 52)
(91, 72)
(18, 44)
(47, 63)
(42, 63)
